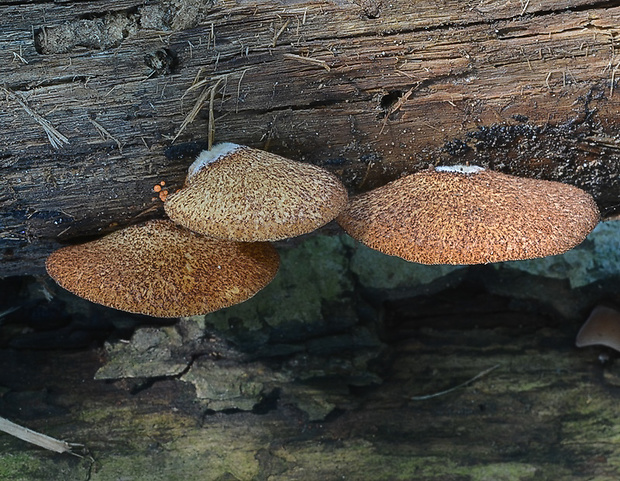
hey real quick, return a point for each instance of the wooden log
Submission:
(96, 98)
(545, 411)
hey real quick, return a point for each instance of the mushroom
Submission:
(164, 270)
(601, 328)
(469, 215)
(244, 194)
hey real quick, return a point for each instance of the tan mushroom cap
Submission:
(602, 328)
(468, 215)
(163, 270)
(240, 193)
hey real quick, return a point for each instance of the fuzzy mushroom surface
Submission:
(244, 194)
(469, 215)
(602, 328)
(161, 269)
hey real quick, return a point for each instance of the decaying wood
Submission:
(549, 411)
(370, 90)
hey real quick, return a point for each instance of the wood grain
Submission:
(527, 88)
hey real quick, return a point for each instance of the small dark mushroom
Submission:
(602, 328)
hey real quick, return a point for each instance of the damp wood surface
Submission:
(369, 90)
(546, 412)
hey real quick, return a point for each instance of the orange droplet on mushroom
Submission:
(164, 270)
(244, 194)
(469, 215)
(602, 328)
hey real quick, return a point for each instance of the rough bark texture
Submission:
(315, 377)
(368, 89)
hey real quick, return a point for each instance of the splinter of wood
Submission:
(38, 439)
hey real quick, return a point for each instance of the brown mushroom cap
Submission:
(601, 328)
(164, 270)
(468, 215)
(244, 194)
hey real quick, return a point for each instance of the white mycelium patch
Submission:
(461, 169)
(207, 157)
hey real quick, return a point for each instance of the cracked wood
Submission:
(522, 87)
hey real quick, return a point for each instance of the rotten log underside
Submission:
(369, 90)
(546, 411)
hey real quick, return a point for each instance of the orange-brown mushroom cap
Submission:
(164, 270)
(601, 328)
(468, 215)
(240, 193)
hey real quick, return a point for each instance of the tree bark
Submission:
(96, 98)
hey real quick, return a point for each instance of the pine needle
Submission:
(54, 136)
(207, 92)
(463, 384)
